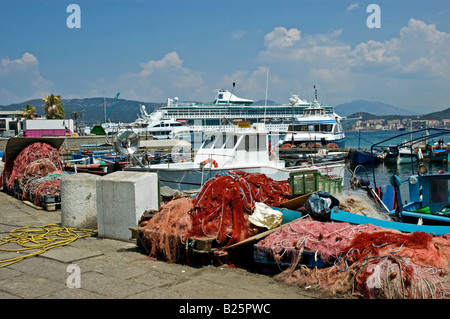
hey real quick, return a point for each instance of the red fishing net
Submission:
(31, 167)
(222, 207)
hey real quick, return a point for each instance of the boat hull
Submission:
(438, 156)
(344, 216)
(363, 157)
(402, 159)
(189, 178)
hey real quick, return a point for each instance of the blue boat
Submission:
(429, 202)
(358, 156)
(361, 156)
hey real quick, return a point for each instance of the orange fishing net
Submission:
(164, 235)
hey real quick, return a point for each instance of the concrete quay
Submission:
(117, 269)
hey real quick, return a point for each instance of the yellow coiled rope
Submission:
(39, 239)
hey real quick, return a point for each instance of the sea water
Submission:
(380, 174)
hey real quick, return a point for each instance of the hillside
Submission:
(128, 110)
(375, 108)
(92, 108)
(440, 115)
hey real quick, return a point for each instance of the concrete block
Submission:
(79, 200)
(122, 198)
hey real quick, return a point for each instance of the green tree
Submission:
(53, 107)
(29, 112)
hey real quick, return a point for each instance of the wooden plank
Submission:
(32, 205)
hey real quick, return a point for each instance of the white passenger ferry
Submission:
(317, 125)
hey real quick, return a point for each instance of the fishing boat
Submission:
(363, 156)
(429, 202)
(248, 150)
(359, 156)
(427, 210)
(438, 155)
(316, 125)
(401, 155)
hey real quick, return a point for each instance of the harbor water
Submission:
(380, 174)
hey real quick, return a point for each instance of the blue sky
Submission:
(152, 50)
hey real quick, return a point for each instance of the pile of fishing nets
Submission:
(36, 171)
(163, 237)
(220, 211)
(358, 202)
(222, 208)
(365, 261)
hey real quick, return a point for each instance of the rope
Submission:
(41, 238)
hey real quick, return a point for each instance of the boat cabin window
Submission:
(220, 141)
(209, 141)
(439, 190)
(311, 128)
(230, 142)
(252, 142)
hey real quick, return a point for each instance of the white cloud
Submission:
(353, 6)
(170, 62)
(281, 37)
(20, 80)
(419, 55)
(237, 35)
(159, 79)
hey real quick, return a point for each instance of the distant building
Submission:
(11, 123)
(44, 127)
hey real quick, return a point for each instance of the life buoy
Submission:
(212, 161)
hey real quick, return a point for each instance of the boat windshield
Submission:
(439, 190)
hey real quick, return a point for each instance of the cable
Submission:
(41, 238)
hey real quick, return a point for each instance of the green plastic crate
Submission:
(312, 181)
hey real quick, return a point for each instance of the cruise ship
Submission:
(298, 122)
(228, 111)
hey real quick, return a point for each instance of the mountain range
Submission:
(92, 110)
(371, 107)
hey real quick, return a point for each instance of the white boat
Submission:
(228, 111)
(402, 155)
(316, 125)
(248, 150)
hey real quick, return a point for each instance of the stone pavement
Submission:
(120, 270)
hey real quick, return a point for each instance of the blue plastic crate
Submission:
(265, 256)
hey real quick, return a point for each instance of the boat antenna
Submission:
(315, 93)
(265, 101)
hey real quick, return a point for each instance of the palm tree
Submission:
(53, 108)
(29, 112)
